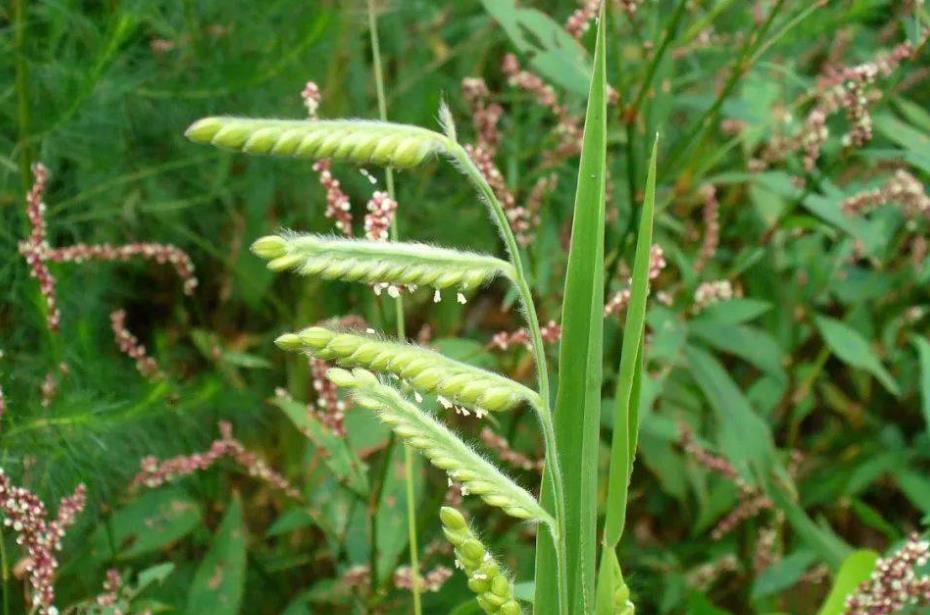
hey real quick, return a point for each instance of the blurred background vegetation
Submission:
(824, 348)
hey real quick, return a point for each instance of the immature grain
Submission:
(485, 576)
(443, 448)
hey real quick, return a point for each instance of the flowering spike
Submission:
(485, 576)
(429, 372)
(378, 262)
(442, 447)
(358, 141)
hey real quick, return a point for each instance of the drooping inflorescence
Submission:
(38, 253)
(358, 141)
(443, 448)
(378, 262)
(130, 346)
(485, 577)
(426, 371)
(39, 537)
(154, 473)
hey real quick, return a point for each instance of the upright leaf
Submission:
(626, 401)
(855, 569)
(578, 403)
(923, 349)
(552, 52)
(854, 350)
(220, 578)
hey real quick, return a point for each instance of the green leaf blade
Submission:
(854, 350)
(578, 401)
(220, 579)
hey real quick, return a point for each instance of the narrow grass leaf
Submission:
(578, 402)
(626, 400)
(855, 569)
(854, 350)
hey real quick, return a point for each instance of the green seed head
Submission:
(357, 141)
(269, 247)
(452, 518)
(341, 377)
(288, 341)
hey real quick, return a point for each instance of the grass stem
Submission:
(400, 324)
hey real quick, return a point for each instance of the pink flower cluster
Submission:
(160, 253)
(39, 538)
(381, 208)
(903, 188)
(499, 445)
(432, 581)
(849, 89)
(568, 126)
(338, 205)
(330, 410)
(112, 586)
(155, 473)
(751, 500)
(894, 585)
(129, 345)
(618, 302)
(580, 20)
(711, 215)
(35, 246)
(708, 293)
(504, 340)
(37, 252)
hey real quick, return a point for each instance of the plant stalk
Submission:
(553, 470)
(400, 324)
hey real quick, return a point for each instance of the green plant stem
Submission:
(694, 136)
(553, 470)
(399, 313)
(22, 94)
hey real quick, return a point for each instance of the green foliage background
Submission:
(821, 355)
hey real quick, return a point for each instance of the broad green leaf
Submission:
(552, 51)
(855, 569)
(578, 402)
(749, 343)
(220, 579)
(733, 312)
(626, 401)
(854, 350)
(151, 522)
(782, 574)
(744, 437)
(916, 486)
(923, 350)
(338, 457)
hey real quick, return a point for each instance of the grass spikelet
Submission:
(442, 447)
(485, 577)
(358, 260)
(425, 370)
(358, 141)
